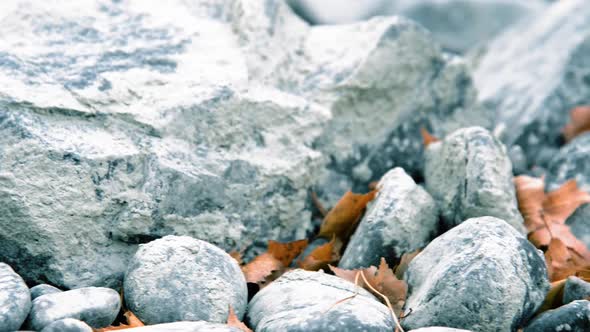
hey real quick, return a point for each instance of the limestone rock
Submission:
(15, 299)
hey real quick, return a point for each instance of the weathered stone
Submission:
(180, 278)
(534, 74)
(312, 301)
(469, 175)
(15, 299)
(67, 325)
(575, 289)
(122, 122)
(438, 329)
(401, 219)
(43, 289)
(187, 327)
(573, 317)
(96, 306)
(481, 275)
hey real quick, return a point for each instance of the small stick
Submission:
(318, 204)
(356, 292)
(397, 324)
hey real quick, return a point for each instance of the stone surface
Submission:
(402, 218)
(438, 329)
(573, 317)
(573, 162)
(534, 74)
(305, 301)
(338, 11)
(180, 278)
(43, 289)
(96, 306)
(481, 275)
(575, 289)
(15, 299)
(187, 327)
(67, 325)
(469, 175)
(122, 122)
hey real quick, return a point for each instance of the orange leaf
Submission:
(132, 321)
(321, 256)
(237, 256)
(579, 123)
(342, 219)
(401, 268)
(234, 321)
(286, 252)
(554, 297)
(427, 137)
(261, 267)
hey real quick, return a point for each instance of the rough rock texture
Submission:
(573, 317)
(481, 275)
(573, 162)
(575, 289)
(180, 278)
(401, 219)
(96, 306)
(304, 301)
(438, 329)
(67, 325)
(534, 73)
(121, 122)
(43, 289)
(187, 327)
(469, 175)
(15, 299)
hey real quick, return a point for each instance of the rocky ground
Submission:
(164, 166)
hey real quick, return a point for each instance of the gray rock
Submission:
(338, 11)
(187, 327)
(145, 127)
(438, 329)
(573, 317)
(481, 275)
(15, 299)
(575, 289)
(96, 306)
(67, 325)
(43, 289)
(534, 74)
(402, 218)
(312, 301)
(469, 175)
(181, 278)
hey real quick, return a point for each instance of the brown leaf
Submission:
(554, 297)
(237, 256)
(322, 256)
(132, 321)
(401, 268)
(427, 138)
(286, 252)
(234, 321)
(579, 123)
(342, 219)
(271, 264)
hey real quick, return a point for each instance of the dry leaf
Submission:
(322, 256)
(132, 321)
(271, 264)
(579, 123)
(237, 256)
(286, 252)
(427, 138)
(318, 205)
(342, 219)
(234, 321)
(401, 268)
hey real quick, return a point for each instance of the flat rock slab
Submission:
(313, 301)
(572, 317)
(178, 278)
(96, 306)
(67, 325)
(481, 275)
(15, 299)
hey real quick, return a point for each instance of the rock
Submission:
(187, 327)
(305, 301)
(481, 275)
(573, 162)
(575, 289)
(15, 299)
(43, 289)
(573, 317)
(534, 74)
(179, 278)
(469, 175)
(438, 329)
(401, 219)
(338, 11)
(382, 80)
(122, 122)
(67, 325)
(96, 306)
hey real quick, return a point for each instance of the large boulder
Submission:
(534, 74)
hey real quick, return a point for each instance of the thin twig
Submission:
(397, 324)
(318, 204)
(356, 292)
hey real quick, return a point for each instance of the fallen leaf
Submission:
(427, 138)
(132, 321)
(271, 264)
(237, 256)
(554, 297)
(401, 268)
(286, 252)
(322, 256)
(342, 219)
(234, 321)
(579, 123)
(318, 205)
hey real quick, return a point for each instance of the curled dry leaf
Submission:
(427, 138)
(322, 256)
(342, 219)
(401, 268)
(234, 321)
(579, 123)
(132, 321)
